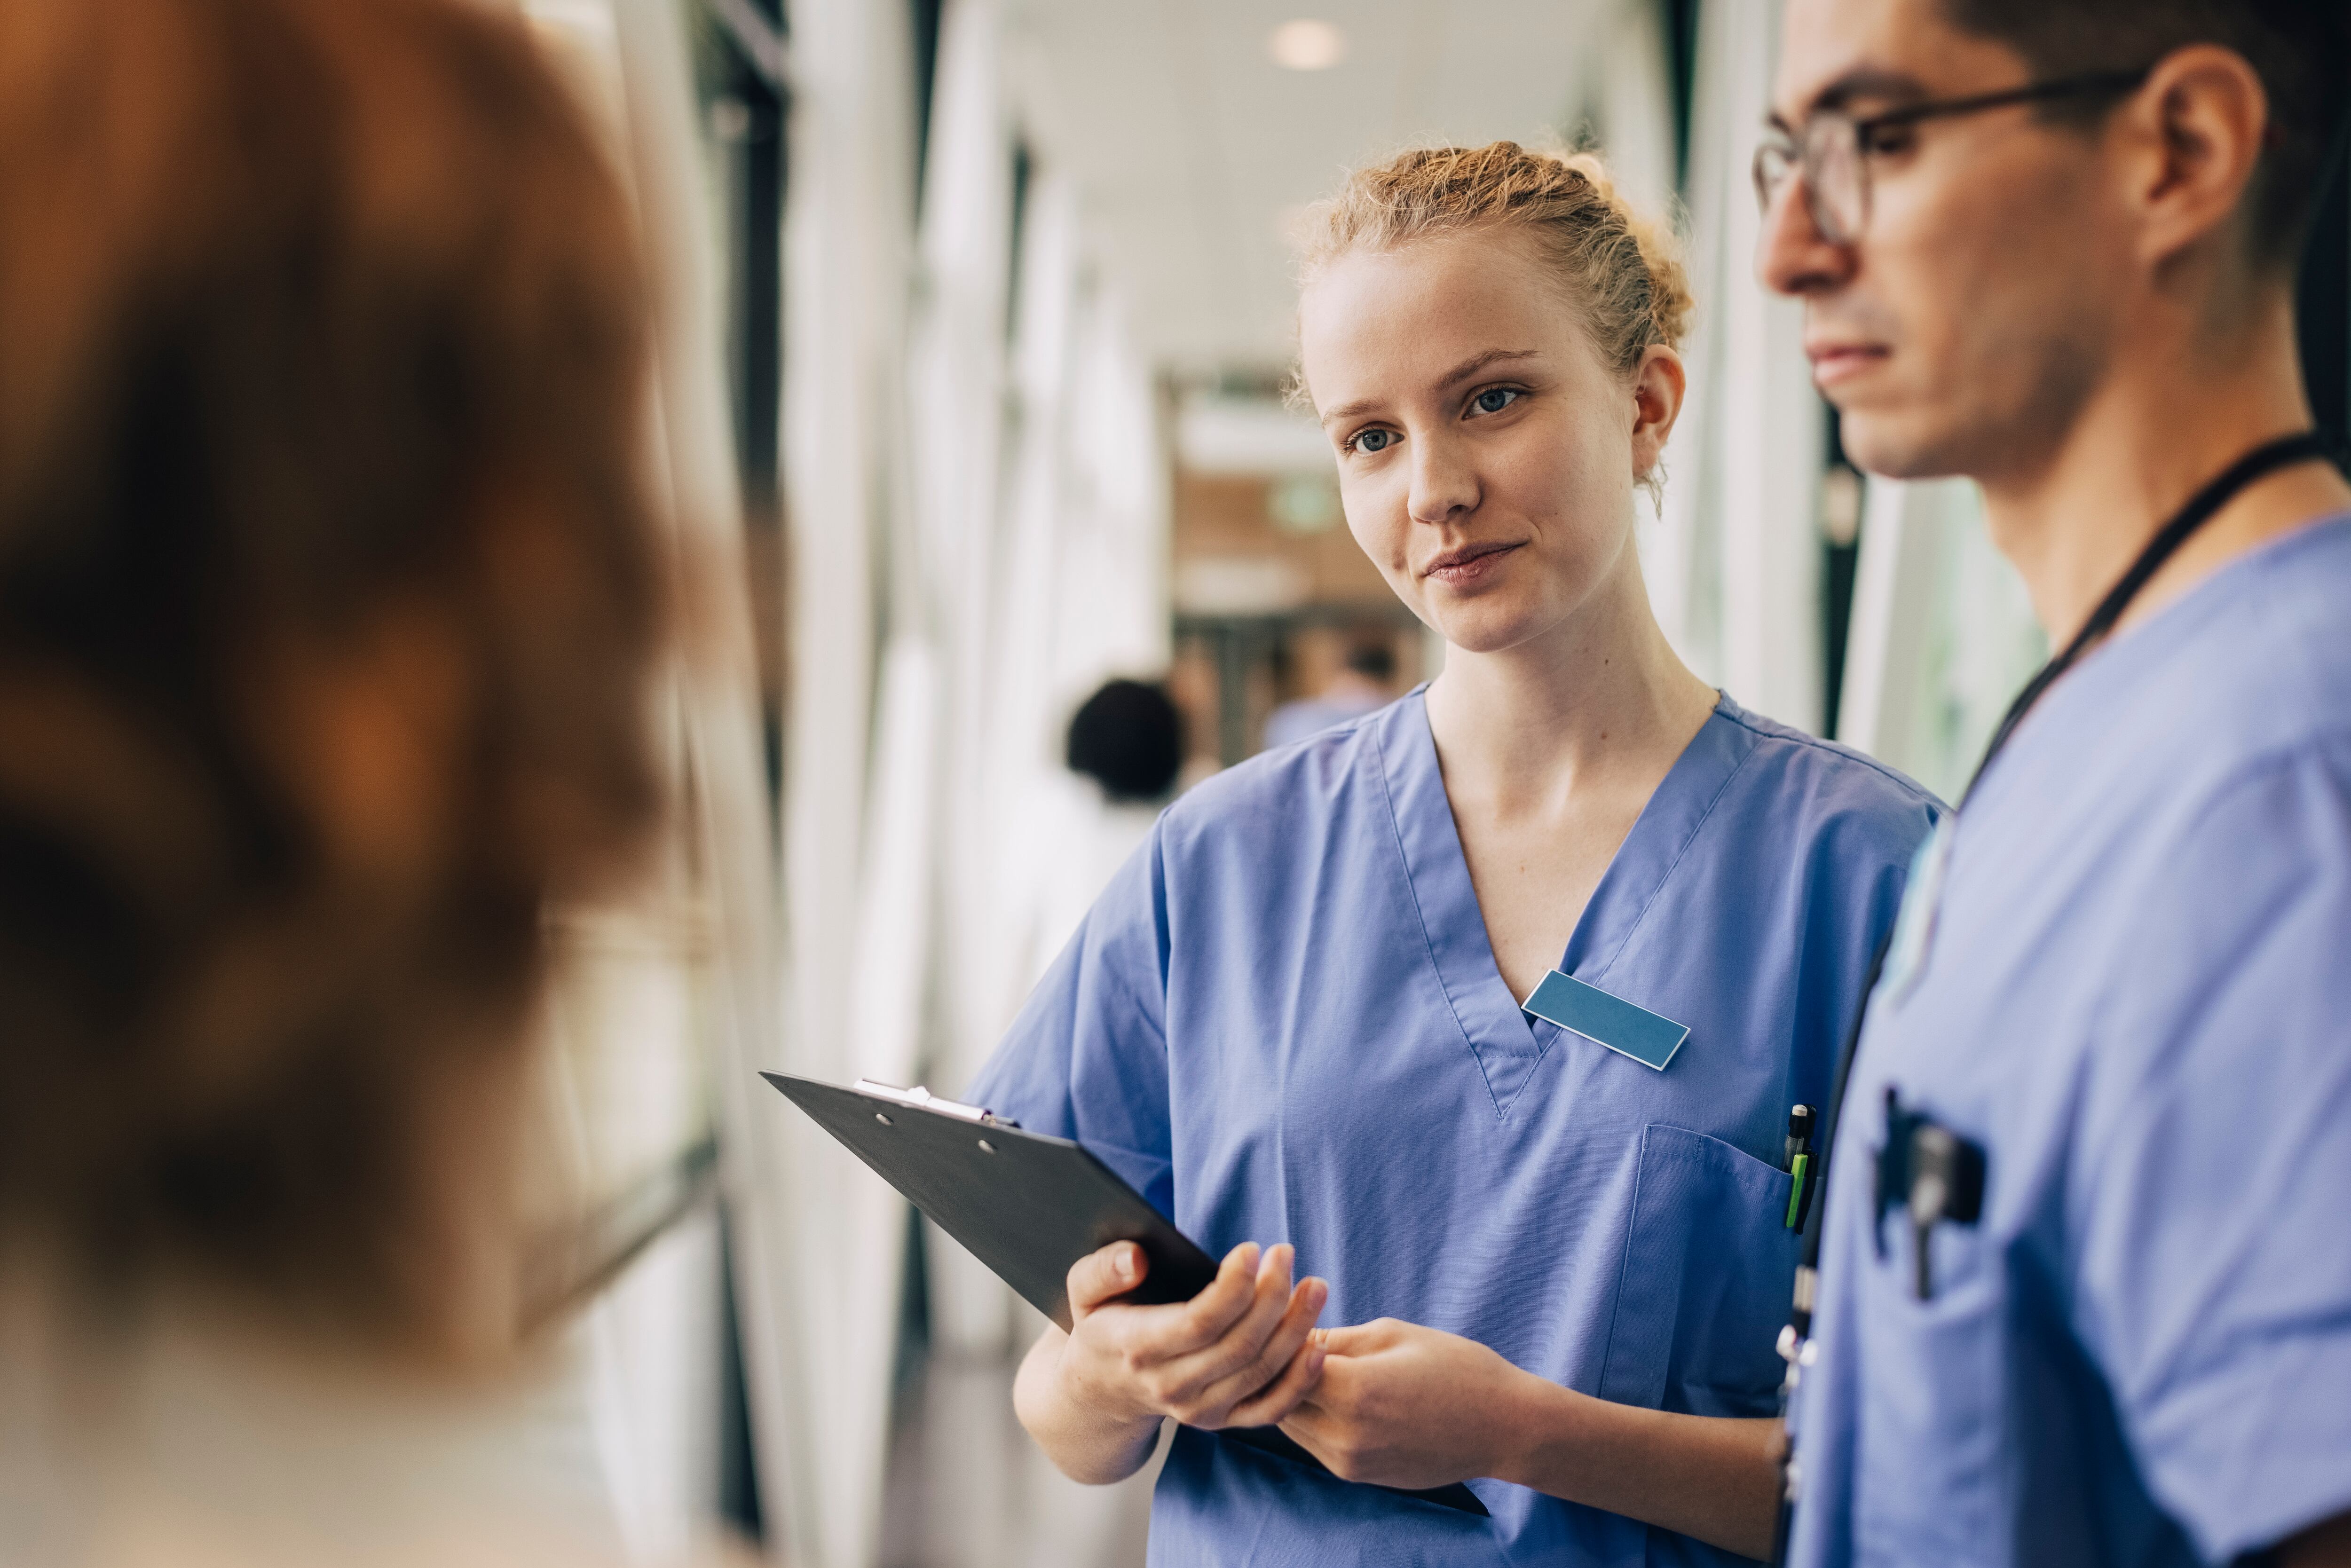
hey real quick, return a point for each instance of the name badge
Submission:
(1607, 1020)
(1914, 923)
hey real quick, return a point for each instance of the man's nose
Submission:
(1443, 483)
(1792, 255)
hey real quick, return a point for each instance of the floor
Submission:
(967, 1489)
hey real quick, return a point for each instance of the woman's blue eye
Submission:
(1374, 440)
(1494, 400)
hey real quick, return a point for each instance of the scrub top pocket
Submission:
(1930, 1446)
(1709, 1267)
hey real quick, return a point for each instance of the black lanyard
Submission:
(2259, 463)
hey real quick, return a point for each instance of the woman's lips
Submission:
(1468, 564)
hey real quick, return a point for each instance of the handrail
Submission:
(762, 42)
(572, 1267)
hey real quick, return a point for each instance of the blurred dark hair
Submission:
(1129, 739)
(328, 602)
(2301, 49)
(1373, 661)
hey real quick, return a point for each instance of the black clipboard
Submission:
(1029, 1206)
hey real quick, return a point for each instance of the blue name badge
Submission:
(1607, 1020)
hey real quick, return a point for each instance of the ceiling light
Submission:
(1307, 45)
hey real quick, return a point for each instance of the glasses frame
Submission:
(1797, 150)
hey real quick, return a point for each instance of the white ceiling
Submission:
(1191, 148)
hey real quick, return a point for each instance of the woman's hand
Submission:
(1408, 1407)
(1411, 1407)
(1237, 1354)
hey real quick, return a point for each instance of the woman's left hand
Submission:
(1407, 1406)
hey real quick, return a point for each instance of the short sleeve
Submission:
(2208, 1200)
(1087, 1058)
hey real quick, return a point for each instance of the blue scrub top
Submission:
(2134, 992)
(1283, 1022)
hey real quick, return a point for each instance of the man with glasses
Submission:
(2084, 1286)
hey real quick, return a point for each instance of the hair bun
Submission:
(1625, 266)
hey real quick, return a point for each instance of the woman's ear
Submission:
(1659, 383)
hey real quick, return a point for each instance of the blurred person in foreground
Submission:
(1361, 686)
(2085, 1293)
(328, 600)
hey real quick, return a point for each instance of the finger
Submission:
(1310, 1427)
(1356, 1339)
(1101, 1275)
(1298, 1378)
(1282, 1347)
(1278, 1401)
(1227, 1299)
(1151, 1336)
(1331, 1402)
(1190, 1374)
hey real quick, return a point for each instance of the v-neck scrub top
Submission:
(1283, 1022)
(2134, 993)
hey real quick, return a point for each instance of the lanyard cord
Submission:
(2258, 463)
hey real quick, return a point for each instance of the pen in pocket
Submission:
(1798, 1163)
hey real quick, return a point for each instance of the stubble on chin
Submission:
(2006, 405)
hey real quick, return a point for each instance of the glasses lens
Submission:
(1838, 177)
(1775, 160)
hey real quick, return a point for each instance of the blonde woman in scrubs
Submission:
(1294, 1020)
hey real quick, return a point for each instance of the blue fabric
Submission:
(1294, 721)
(1283, 1022)
(2133, 993)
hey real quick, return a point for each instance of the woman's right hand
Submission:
(1237, 1354)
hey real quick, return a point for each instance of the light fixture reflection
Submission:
(1307, 45)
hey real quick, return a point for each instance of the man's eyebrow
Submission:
(1459, 374)
(1862, 82)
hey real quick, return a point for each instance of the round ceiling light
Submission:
(1307, 45)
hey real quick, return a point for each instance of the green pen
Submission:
(1798, 1163)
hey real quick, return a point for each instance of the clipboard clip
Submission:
(921, 1099)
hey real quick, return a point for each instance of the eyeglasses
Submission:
(1833, 149)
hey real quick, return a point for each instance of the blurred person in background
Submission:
(1363, 684)
(2085, 1285)
(1124, 753)
(1129, 740)
(327, 603)
(1298, 1018)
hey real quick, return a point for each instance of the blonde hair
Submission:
(1624, 271)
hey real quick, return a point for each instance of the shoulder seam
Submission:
(1793, 736)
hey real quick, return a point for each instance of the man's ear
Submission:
(2196, 132)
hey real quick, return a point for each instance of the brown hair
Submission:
(2300, 48)
(328, 602)
(1624, 272)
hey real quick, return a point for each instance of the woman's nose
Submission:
(1444, 484)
